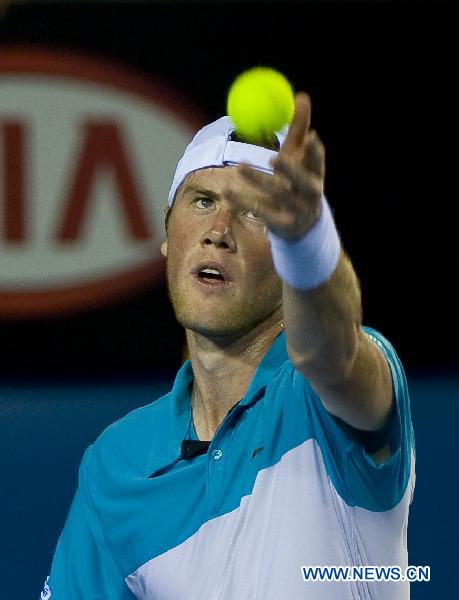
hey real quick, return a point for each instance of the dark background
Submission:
(381, 78)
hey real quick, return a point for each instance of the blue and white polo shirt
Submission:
(282, 485)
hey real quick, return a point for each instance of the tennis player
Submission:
(286, 441)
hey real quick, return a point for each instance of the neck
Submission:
(223, 371)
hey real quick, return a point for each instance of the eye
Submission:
(253, 215)
(203, 202)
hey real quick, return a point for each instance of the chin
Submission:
(223, 319)
(227, 325)
(213, 327)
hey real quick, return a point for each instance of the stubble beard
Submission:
(223, 316)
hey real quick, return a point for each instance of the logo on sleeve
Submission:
(46, 593)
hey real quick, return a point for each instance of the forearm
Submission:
(322, 307)
(326, 344)
(323, 325)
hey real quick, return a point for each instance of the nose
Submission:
(219, 233)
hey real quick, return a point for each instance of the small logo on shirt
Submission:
(46, 593)
(257, 451)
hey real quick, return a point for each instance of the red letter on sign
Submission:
(103, 149)
(13, 177)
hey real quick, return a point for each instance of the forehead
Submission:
(210, 176)
(216, 179)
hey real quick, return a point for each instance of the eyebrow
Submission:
(201, 190)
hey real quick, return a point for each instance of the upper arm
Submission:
(364, 399)
(375, 443)
(375, 480)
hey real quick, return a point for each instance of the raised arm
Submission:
(322, 317)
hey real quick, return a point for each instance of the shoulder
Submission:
(126, 444)
(137, 421)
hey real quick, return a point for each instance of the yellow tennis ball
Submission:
(260, 102)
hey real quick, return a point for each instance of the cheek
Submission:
(262, 248)
(180, 240)
(178, 256)
(260, 263)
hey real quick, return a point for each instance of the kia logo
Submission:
(88, 150)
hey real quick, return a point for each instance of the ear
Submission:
(164, 249)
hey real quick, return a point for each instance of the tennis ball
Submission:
(260, 102)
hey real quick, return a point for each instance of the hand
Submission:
(293, 193)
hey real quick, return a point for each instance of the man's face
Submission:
(205, 230)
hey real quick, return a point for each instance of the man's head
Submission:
(204, 229)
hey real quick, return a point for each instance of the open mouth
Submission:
(210, 276)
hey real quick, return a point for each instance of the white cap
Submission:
(212, 147)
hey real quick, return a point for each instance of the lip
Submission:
(212, 264)
(211, 287)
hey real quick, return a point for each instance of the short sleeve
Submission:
(83, 567)
(356, 476)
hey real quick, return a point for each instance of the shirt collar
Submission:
(180, 404)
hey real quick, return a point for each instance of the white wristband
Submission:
(308, 262)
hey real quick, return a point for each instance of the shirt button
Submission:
(217, 454)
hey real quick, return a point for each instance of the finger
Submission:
(278, 189)
(314, 155)
(300, 124)
(303, 181)
(279, 200)
(272, 217)
(244, 202)
(269, 185)
(247, 201)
